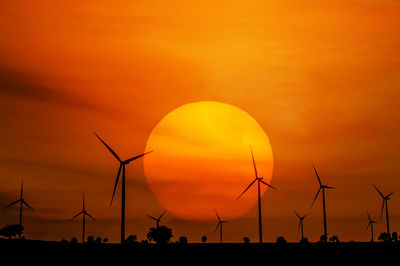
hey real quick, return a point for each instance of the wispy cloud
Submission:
(30, 86)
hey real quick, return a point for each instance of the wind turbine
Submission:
(121, 167)
(301, 220)
(157, 219)
(370, 224)
(84, 213)
(384, 205)
(322, 187)
(22, 201)
(220, 223)
(259, 181)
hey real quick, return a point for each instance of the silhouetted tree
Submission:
(304, 240)
(204, 239)
(281, 240)
(90, 240)
(322, 239)
(160, 235)
(246, 240)
(132, 239)
(98, 241)
(395, 237)
(183, 240)
(10, 231)
(74, 241)
(385, 237)
(105, 240)
(334, 239)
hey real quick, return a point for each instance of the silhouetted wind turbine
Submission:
(121, 167)
(84, 213)
(220, 223)
(301, 220)
(370, 224)
(259, 180)
(157, 219)
(22, 201)
(322, 187)
(384, 205)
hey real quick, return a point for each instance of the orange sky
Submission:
(322, 79)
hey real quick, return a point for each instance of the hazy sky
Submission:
(321, 78)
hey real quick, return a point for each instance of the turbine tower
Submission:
(385, 206)
(370, 224)
(301, 220)
(220, 223)
(83, 213)
(259, 181)
(157, 219)
(22, 201)
(322, 187)
(121, 168)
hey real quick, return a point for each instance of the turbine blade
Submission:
(159, 218)
(265, 183)
(367, 226)
(298, 216)
(369, 217)
(12, 203)
(83, 201)
(116, 183)
(254, 163)
(316, 173)
(151, 217)
(219, 219)
(247, 188)
(76, 215)
(328, 187)
(108, 147)
(216, 228)
(383, 206)
(90, 216)
(390, 194)
(319, 190)
(22, 188)
(380, 193)
(136, 157)
(24, 202)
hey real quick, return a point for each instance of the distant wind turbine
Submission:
(121, 167)
(22, 201)
(84, 213)
(301, 220)
(322, 187)
(157, 219)
(385, 206)
(219, 225)
(370, 224)
(259, 180)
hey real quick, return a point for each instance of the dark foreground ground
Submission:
(344, 253)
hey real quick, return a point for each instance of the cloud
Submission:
(29, 86)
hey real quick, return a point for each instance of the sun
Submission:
(202, 161)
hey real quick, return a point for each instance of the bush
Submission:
(281, 240)
(160, 235)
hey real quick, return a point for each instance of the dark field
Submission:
(199, 253)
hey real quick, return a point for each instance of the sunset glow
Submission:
(199, 82)
(202, 160)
